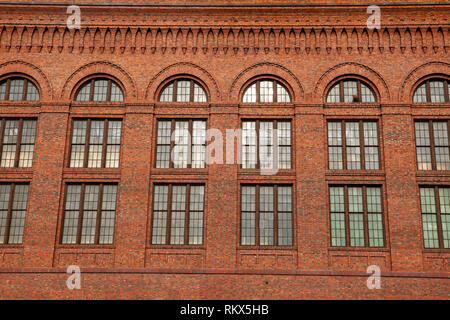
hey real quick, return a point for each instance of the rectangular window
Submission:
(356, 216)
(181, 144)
(95, 143)
(17, 142)
(89, 214)
(266, 215)
(353, 145)
(266, 142)
(435, 207)
(13, 207)
(432, 145)
(178, 214)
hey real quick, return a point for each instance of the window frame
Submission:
(437, 207)
(258, 91)
(87, 143)
(358, 81)
(187, 211)
(18, 142)
(257, 127)
(428, 90)
(81, 215)
(257, 244)
(432, 145)
(10, 210)
(25, 88)
(365, 217)
(361, 144)
(91, 82)
(172, 143)
(175, 90)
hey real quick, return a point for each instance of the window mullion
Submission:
(105, 145)
(25, 89)
(99, 214)
(344, 145)
(91, 91)
(432, 145)
(257, 242)
(347, 218)
(108, 91)
(172, 143)
(9, 216)
(438, 217)
(169, 214)
(428, 92)
(258, 145)
(258, 96)
(341, 91)
(361, 144)
(365, 217)
(8, 89)
(189, 146)
(175, 91)
(81, 214)
(186, 214)
(275, 91)
(2, 135)
(18, 144)
(275, 214)
(191, 92)
(87, 143)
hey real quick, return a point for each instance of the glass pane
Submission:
(160, 214)
(16, 90)
(366, 94)
(337, 211)
(89, 222)
(249, 144)
(284, 215)
(183, 91)
(84, 93)
(71, 214)
(437, 91)
(199, 94)
(353, 146)
(19, 209)
(167, 94)
(250, 94)
(116, 93)
(196, 215)
(335, 161)
(266, 91)
(421, 94)
(442, 146)
(334, 94)
(177, 227)
(350, 91)
(282, 94)
(108, 214)
(100, 90)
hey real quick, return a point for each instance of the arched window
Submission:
(18, 89)
(266, 91)
(351, 91)
(99, 90)
(433, 90)
(183, 90)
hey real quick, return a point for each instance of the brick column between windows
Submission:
(222, 214)
(311, 192)
(44, 196)
(132, 211)
(402, 193)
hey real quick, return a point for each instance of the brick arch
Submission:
(351, 69)
(100, 67)
(417, 74)
(270, 69)
(183, 68)
(35, 73)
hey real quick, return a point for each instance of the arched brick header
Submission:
(418, 74)
(100, 67)
(351, 69)
(272, 70)
(183, 68)
(35, 73)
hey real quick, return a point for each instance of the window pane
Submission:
(5, 190)
(27, 143)
(89, 214)
(181, 147)
(163, 144)
(116, 93)
(350, 91)
(178, 214)
(183, 91)
(337, 210)
(100, 90)
(32, 92)
(284, 144)
(19, 209)
(249, 144)
(371, 146)
(71, 214)
(250, 94)
(356, 216)
(353, 146)
(199, 94)
(374, 217)
(429, 219)
(335, 161)
(266, 216)
(84, 93)
(160, 214)
(113, 144)
(265, 91)
(366, 94)
(167, 94)
(437, 91)
(266, 144)
(248, 230)
(196, 215)
(444, 200)
(282, 94)
(198, 143)
(441, 145)
(96, 144)
(334, 94)
(284, 216)
(108, 214)
(3, 90)
(423, 148)
(9, 143)
(16, 90)
(421, 94)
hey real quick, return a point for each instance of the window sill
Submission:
(433, 173)
(352, 105)
(175, 247)
(359, 249)
(85, 246)
(285, 248)
(429, 250)
(11, 246)
(355, 173)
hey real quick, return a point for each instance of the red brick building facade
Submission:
(362, 116)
